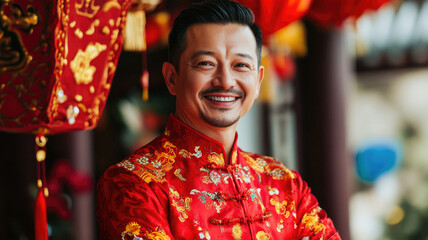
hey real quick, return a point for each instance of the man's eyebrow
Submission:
(202, 52)
(210, 53)
(245, 55)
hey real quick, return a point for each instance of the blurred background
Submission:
(344, 101)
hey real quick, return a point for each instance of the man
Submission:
(193, 182)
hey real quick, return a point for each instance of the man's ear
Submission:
(259, 79)
(170, 76)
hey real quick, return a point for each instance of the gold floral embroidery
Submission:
(312, 222)
(216, 158)
(269, 166)
(236, 232)
(127, 165)
(185, 153)
(253, 163)
(283, 207)
(177, 173)
(243, 174)
(81, 64)
(160, 164)
(133, 228)
(280, 226)
(209, 199)
(158, 234)
(262, 236)
(279, 172)
(214, 176)
(198, 153)
(233, 157)
(171, 147)
(272, 191)
(255, 197)
(204, 234)
(182, 205)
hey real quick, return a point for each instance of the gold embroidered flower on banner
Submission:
(14, 56)
(81, 64)
(86, 8)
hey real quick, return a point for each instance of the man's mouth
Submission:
(222, 96)
(221, 99)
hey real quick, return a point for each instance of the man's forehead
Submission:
(206, 27)
(203, 38)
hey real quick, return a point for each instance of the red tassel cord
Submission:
(145, 84)
(40, 218)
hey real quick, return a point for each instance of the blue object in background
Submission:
(375, 158)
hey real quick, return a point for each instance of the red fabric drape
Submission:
(334, 12)
(272, 15)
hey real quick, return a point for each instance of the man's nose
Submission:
(224, 78)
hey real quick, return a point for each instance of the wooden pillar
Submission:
(81, 157)
(323, 157)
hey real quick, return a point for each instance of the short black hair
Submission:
(213, 11)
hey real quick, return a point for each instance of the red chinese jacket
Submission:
(180, 187)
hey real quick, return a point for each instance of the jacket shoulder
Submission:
(152, 161)
(268, 165)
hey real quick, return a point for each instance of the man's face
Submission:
(218, 78)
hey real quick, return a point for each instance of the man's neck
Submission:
(226, 135)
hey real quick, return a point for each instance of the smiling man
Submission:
(193, 182)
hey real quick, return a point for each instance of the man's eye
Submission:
(205, 63)
(243, 65)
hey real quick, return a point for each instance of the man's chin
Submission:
(220, 122)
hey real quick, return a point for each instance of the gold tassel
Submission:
(40, 218)
(134, 32)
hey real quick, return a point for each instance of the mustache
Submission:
(220, 90)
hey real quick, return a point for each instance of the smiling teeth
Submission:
(221, 99)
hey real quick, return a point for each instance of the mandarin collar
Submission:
(197, 143)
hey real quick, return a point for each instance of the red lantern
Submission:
(272, 15)
(334, 12)
(57, 60)
(284, 67)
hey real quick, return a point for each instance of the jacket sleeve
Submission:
(129, 208)
(312, 221)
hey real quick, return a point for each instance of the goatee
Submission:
(219, 121)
